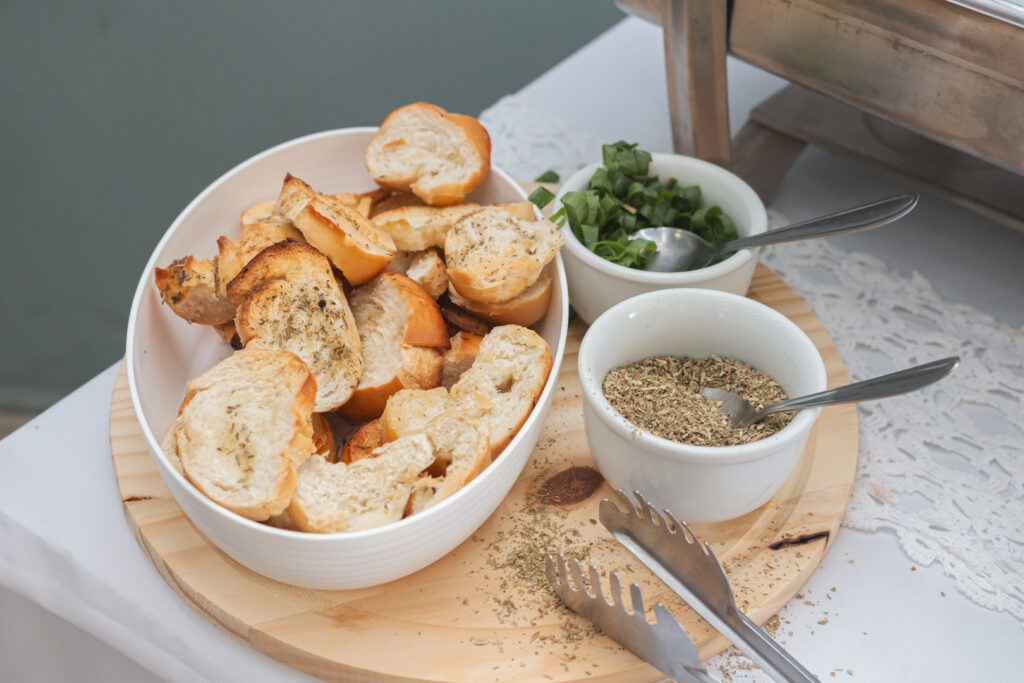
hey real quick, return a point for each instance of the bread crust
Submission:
(362, 442)
(413, 179)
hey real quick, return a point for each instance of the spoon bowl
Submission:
(681, 250)
(743, 414)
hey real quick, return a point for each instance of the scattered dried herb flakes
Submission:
(662, 395)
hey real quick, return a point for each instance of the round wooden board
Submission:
(482, 613)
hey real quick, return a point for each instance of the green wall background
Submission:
(114, 115)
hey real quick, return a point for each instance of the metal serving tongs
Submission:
(664, 644)
(690, 568)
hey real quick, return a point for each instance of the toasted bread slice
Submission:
(459, 357)
(372, 492)
(401, 332)
(356, 246)
(362, 442)
(460, 320)
(493, 257)
(243, 428)
(288, 299)
(255, 237)
(425, 268)
(263, 212)
(414, 228)
(507, 377)
(410, 410)
(501, 386)
(396, 200)
(437, 155)
(525, 309)
(189, 287)
(462, 451)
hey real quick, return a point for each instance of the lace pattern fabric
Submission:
(943, 470)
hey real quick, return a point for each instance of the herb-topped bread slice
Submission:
(243, 429)
(189, 287)
(493, 257)
(288, 299)
(437, 155)
(414, 228)
(358, 248)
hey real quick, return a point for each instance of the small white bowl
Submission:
(595, 285)
(163, 352)
(697, 483)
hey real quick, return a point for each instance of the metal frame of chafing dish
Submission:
(923, 88)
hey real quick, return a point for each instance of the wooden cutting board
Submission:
(483, 613)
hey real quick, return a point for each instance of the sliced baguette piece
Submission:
(414, 228)
(461, 320)
(232, 256)
(409, 411)
(243, 428)
(356, 246)
(362, 442)
(425, 268)
(506, 379)
(396, 200)
(501, 387)
(525, 309)
(462, 451)
(189, 287)
(437, 155)
(459, 357)
(289, 299)
(372, 492)
(493, 257)
(402, 335)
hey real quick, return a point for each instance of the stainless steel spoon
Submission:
(680, 250)
(743, 414)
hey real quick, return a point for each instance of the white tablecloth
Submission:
(66, 547)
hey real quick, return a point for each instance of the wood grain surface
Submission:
(484, 613)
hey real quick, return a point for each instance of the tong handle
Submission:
(778, 663)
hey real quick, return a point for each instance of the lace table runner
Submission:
(945, 470)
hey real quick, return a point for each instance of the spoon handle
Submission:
(892, 384)
(865, 217)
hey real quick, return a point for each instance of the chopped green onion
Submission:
(541, 197)
(548, 176)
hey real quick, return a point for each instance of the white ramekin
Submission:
(595, 285)
(697, 483)
(163, 352)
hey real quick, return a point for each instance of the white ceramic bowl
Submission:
(163, 352)
(697, 483)
(595, 285)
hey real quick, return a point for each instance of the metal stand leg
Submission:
(695, 34)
